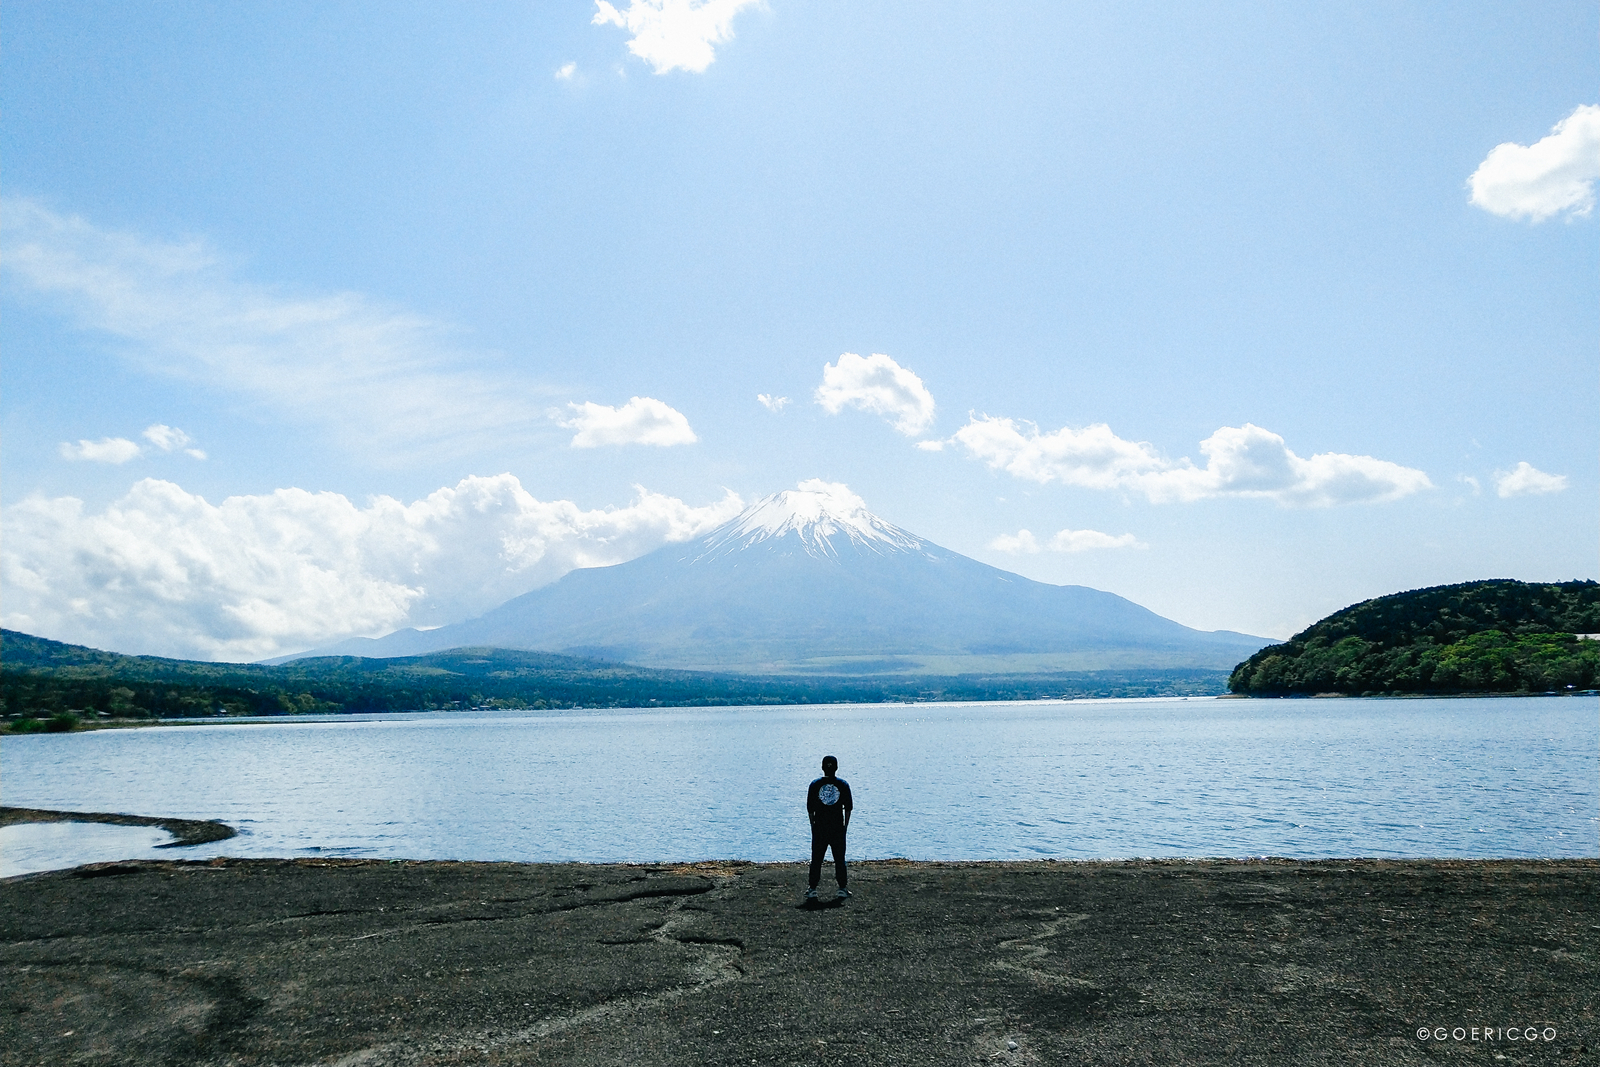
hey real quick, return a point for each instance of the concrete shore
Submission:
(185, 832)
(1160, 962)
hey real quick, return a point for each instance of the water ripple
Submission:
(1107, 779)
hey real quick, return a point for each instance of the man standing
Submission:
(828, 805)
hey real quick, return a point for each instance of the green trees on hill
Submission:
(46, 681)
(1479, 637)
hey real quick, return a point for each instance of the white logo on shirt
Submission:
(828, 794)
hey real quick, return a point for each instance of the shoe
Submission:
(842, 894)
(811, 894)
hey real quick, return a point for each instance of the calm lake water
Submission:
(1084, 779)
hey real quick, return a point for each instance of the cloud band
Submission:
(1241, 461)
(164, 571)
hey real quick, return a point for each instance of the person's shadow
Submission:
(818, 904)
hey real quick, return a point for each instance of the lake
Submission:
(1068, 779)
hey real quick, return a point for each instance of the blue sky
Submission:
(331, 318)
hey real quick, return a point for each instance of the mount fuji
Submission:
(809, 580)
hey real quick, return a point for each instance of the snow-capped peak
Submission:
(816, 512)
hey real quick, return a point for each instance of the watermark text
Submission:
(1489, 1034)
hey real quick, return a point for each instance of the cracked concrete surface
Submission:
(421, 964)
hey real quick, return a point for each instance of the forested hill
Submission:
(1497, 636)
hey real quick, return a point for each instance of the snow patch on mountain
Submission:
(816, 513)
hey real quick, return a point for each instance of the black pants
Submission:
(824, 837)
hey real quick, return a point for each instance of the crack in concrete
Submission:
(718, 964)
(643, 894)
(1030, 949)
(1003, 1043)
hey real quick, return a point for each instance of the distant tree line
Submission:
(45, 682)
(1478, 637)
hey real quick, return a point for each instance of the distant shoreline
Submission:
(88, 725)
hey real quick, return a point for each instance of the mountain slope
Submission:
(810, 580)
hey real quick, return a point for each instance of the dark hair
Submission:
(829, 761)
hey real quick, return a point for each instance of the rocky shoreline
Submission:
(185, 832)
(409, 963)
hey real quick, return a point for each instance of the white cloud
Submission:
(1527, 480)
(105, 450)
(880, 385)
(1019, 542)
(170, 439)
(566, 71)
(383, 380)
(1548, 177)
(1094, 457)
(1089, 540)
(674, 34)
(642, 420)
(772, 403)
(165, 437)
(1244, 461)
(164, 571)
(931, 446)
(1024, 541)
(121, 450)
